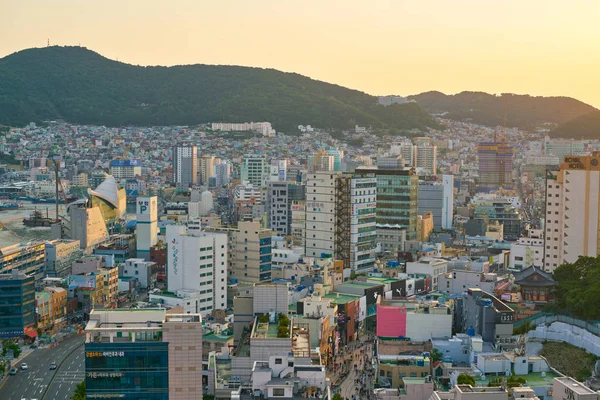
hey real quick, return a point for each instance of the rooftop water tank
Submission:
(471, 331)
(206, 203)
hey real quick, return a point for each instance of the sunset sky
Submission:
(539, 47)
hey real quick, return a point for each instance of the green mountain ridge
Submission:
(522, 111)
(80, 86)
(586, 126)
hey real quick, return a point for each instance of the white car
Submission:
(24, 366)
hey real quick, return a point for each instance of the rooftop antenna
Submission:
(48, 44)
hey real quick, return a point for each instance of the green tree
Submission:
(208, 397)
(10, 345)
(337, 396)
(436, 355)
(464, 379)
(79, 392)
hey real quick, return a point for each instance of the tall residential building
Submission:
(320, 214)
(278, 170)
(340, 218)
(223, 174)
(397, 204)
(206, 168)
(17, 308)
(495, 164)
(528, 251)
(572, 211)
(143, 353)
(254, 168)
(249, 252)
(321, 161)
(147, 225)
(406, 150)
(438, 197)
(425, 156)
(197, 261)
(185, 165)
(279, 205)
(125, 169)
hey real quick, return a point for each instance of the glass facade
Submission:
(17, 306)
(397, 200)
(127, 370)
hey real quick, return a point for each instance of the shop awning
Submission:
(32, 333)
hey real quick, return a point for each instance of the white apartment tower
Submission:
(147, 225)
(320, 214)
(572, 211)
(426, 158)
(185, 165)
(197, 261)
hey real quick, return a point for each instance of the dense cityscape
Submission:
(296, 200)
(232, 261)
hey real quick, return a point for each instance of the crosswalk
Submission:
(69, 377)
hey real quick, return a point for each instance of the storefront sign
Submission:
(91, 354)
(96, 375)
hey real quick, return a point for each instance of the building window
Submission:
(278, 361)
(278, 392)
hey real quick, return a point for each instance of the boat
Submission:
(37, 219)
(10, 206)
(36, 200)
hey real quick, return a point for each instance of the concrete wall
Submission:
(185, 359)
(421, 327)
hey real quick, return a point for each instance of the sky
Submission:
(537, 47)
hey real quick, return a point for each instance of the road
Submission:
(31, 383)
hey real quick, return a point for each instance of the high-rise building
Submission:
(17, 308)
(572, 211)
(206, 168)
(298, 222)
(254, 168)
(320, 214)
(125, 169)
(280, 196)
(321, 161)
(185, 165)
(278, 171)
(197, 261)
(337, 158)
(495, 164)
(143, 353)
(438, 197)
(340, 218)
(406, 150)
(397, 204)
(448, 201)
(147, 225)
(222, 174)
(249, 252)
(425, 158)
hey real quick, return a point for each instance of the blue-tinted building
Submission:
(143, 354)
(17, 305)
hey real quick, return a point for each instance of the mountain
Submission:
(81, 86)
(522, 111)
(584, 127)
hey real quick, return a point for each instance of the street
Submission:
(31, 383)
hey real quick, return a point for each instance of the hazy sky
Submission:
(540, 47)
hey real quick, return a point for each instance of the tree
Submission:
(79, 392)
(10, 345)
(436, 355)
(337, 396)
(464, 379)
(208, 397)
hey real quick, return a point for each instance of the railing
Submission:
(548, 318)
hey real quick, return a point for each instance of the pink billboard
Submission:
(391, 321)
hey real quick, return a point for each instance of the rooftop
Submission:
(340, 298)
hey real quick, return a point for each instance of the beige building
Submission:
(572, 211)
(424, 226)
(249, 251)
(206, 168)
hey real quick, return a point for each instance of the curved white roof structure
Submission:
(107, 190)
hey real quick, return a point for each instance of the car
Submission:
(24, 366)
(53, 365)
(13, 371)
